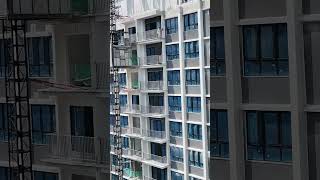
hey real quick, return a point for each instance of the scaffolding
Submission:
(14, 15)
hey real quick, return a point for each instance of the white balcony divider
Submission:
(154, 134)
(152, 157)
(77, 148)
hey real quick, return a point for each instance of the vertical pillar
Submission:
(183, 93)
(203, 94)
(233, 76)
(297, 93)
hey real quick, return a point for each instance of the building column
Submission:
(233, 76)
(203, 94)
(183, 93)
(297, 93)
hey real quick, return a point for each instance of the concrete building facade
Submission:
(68, 68)
(264, 77)
(164, 89)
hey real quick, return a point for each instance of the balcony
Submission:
(132, 38)
(155, 160)
(123, 108)
(81, 75)
(154, 60)
(151, 35)
(53, 8)
(153, 86)
(135, 85)
(152, 135)
(153, 110)
(133, 131)
(135, 108)
(125, 59)
(132, 174)
(132, 154)
(192, 33)
(89, 151)
(173, 37)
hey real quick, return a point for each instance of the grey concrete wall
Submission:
(218, 91)
(262, 8)
(219, 169)
(267, 171)
(314, 145)
(260, 90)
(311, 6)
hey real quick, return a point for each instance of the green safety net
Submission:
(135, 84)
(81, 72)
(134, 60)
(80, 6)
(132, 174)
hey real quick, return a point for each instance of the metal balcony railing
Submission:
(152, 60)
(53, 7)
(154, 134)
(153, 157)
(77, 148)
(153, 85)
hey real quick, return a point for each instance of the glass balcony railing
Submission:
(135, 84)
(132, 173)
(154, 134)
(152, 60)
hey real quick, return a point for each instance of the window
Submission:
(174, 77)
(217, 52)
(153, 23)
(174, 103)
(45, 176)
(43, 122)
(190, 21)
(40, 56)
(125, 142)
(123, 100)
(3, 122)
(3, 58)
(195, 158)
(155, 100)
(155, 75)
(172, 25)
(176, 154)
(135, 99)
(172, 52)
(157, 124)
(124, 121)
(4, 173)
(192, 49)
(194, 104)
(176, 176)
(132, 30)
(151, 51)
(265, 50)
(159, 174)
(122, 79)
(269, 136)
(195, 131)
(81, 121)
(175, 129)
(219, 145)
(193, 77)
(158, 149)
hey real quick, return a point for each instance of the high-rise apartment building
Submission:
(264, 88)
(68, 58)
(164, 89)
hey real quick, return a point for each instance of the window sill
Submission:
(269, 162)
